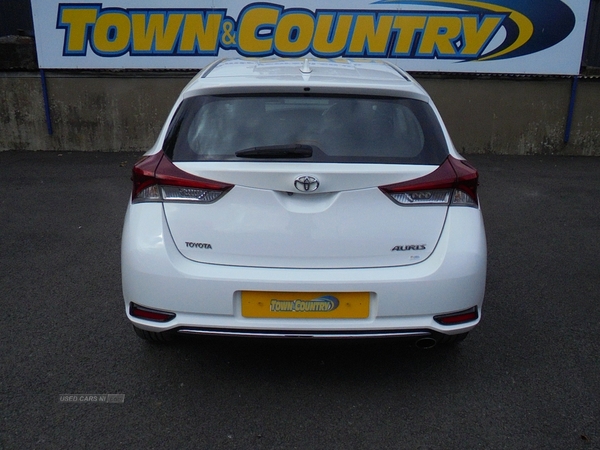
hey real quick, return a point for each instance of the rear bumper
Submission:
(206, 298)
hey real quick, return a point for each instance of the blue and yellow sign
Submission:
(497, 36)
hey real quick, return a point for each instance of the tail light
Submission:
(157, 179)
(453, 183)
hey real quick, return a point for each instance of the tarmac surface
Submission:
(528, 377)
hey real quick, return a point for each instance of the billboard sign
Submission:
(493, 36)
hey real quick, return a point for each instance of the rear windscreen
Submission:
(335, 128)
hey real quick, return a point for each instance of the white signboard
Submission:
(493, 36)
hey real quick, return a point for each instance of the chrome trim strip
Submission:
(307, 334)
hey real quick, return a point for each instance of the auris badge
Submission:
(306, 183)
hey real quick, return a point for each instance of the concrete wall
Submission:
(518, 115)
(125, 111)
(88, 112)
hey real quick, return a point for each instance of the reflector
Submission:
(150, 314)
(456, 318)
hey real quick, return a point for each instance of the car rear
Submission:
(304, 198)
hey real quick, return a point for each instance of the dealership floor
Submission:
(527, 377)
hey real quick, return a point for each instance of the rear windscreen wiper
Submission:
(277, 151)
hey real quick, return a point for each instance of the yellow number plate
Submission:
(305, 305)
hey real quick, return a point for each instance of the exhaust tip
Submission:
(426, 343)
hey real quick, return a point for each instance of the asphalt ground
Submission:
(527, 378)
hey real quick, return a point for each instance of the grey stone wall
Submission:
(519, 115)
(124, 111)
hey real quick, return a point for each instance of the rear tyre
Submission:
(454, 339)
(154, 336)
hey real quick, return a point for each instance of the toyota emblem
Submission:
(306, 183)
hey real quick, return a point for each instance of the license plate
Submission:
(305, 305)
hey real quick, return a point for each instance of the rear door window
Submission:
(335, 128)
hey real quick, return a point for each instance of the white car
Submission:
(304, 198)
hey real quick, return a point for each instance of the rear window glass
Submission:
(336, 129)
